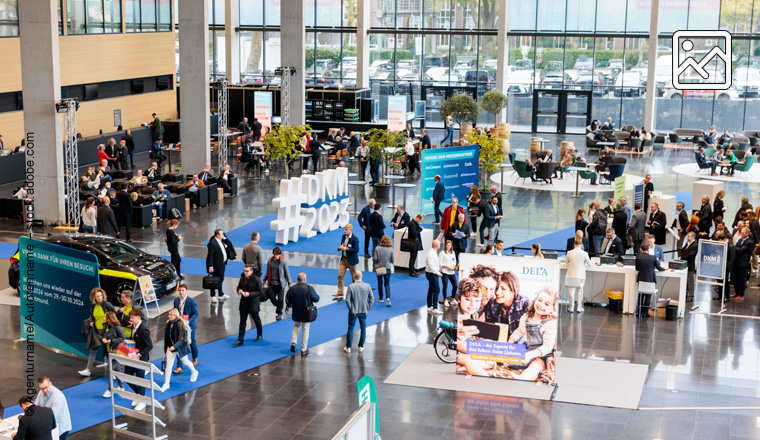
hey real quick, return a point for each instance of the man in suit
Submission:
(256, 130)
(143, 344)
(745, 206)
(578, 236)
(491, 219)
(705, 217)
(645, 266)
(243, 126)
(459, 244)
(331, 137)
(744, 248)
(438, 195)
(51, 397)
(612, 245)
(363, 220)
(688, 253)
(249, 288)
(359, 300)
(409, 131)
(680, 223)
(216, 262)
(353, 143)
(124, 211)
(205, 174)
(415, 232)
(498, 248)
(730, 258)
(425, 140)
(637, 226)
(401, 219)
(36, 423)
(188, 307)
(598, 227)
(375, 227)
(349, 256)
(106, 220)
(648, 189)
(129, 141)
(576, 260)
(655, 249)
(656, 223)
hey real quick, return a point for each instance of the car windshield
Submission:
(118, 252)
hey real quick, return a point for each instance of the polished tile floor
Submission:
(702, 361)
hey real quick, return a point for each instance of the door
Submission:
(561, 111)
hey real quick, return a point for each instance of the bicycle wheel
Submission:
(442, 349)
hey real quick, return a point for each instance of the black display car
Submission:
(119, 264)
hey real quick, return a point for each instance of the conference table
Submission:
(670, 284)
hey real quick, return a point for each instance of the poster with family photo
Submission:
(507, 320)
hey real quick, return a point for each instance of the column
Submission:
(293, 54)
(362, 44)
(232, 49)
(195, 129)
(502, 51)
(649, 104)
(40, 68)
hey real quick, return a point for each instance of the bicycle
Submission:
(445, 343)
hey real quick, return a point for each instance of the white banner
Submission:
(262, 110)
(397, 113)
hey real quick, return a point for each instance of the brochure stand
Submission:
(149, 400)
(145, 294)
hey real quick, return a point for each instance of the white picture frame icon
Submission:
(683, 44)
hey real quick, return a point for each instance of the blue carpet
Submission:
(319, 244)
(330, 325)
(7, 249)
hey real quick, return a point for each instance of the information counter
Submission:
(9, 426)
(670, 284)
(401, 259)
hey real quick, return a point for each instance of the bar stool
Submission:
(575, 289)
(647, 289)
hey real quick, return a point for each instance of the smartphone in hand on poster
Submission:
(487, 330)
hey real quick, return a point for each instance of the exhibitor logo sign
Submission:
(701, 60)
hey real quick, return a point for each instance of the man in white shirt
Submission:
(433, 272)
(577, 260)
(51, 397)
(412, 161)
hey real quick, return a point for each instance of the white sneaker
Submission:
(437, 312)
(214, 300)
(347, 350)
(446, 303)
(571, 307)
(140, 407)
(361, 349)
(472, 234)
(107, 394)
(225, 297)
(479, 245)
(580, 308)
(85, 373)
(454, 302)
(430, 309)
(380, 300)
(194, 376)
(134, 403)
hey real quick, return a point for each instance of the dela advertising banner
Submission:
(55, 290)
(458, 168)
(508, 317)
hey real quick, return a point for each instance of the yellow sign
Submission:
(619, 187)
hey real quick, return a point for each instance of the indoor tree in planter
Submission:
(379, 139)
(491, 154)
(494, 102)
(464, 109)
(280, 143)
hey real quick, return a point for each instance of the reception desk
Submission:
(401, 259)
(670, 284)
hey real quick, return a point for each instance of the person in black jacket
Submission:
(645, 266)
(459, 244)
(363, 220)
(415, 232)
(315, 148)
(36, 423)
(375, 227)
(680, 223)
(425, 140)
(657, 223)
(744, 248)
(705, 217)
(648, 190)
(129, 141)
(719, 208)
(353, 143)
(144, 344)
(106, 220)
(620, 223)
(216, 262)
(249, 288)
(298, 298)
(124, 211)
(689, 254)
(256, 130)
(612, 245)
(730, 258)
(172, 242)
(401, 219)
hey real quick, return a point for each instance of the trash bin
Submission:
(671, 312)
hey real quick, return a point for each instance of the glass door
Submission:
(577, 111)
(561, 111)
(546, 111)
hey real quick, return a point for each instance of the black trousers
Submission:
(366, 241)
(244, 314)
(363, 164)
(315, 160)
(637, 247)
(137, 373)
(125, 222)
(176, 260)
(433, 289)
(219, 272)
(275, 294)
(412, 261)
(739, 277)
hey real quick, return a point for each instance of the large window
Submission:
(93, 16)
(148, 15)
(259, 57)
(8, 18)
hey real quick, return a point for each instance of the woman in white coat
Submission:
(576, 260)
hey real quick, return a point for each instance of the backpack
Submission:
(174, 214)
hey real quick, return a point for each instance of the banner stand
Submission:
(711, 267)
(147, 295)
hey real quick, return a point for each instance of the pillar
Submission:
(232, 43)
(195, 129)
(362, 44)
(502, 51)
(40, 68)
(649, 104)
(293, 54)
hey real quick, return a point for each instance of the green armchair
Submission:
(521, 168)
(749, 160)
(588, 175)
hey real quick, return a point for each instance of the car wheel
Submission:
(675, 96)
(120, 287)
(723, 96)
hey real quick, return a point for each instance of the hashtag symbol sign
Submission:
(289, 217)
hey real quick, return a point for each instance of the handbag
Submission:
(380, 271)
(407, 244)
(210, 282)
(311, 309)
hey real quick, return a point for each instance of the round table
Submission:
(356, 184)
(392, 178)
(502, 166)
(405, 186)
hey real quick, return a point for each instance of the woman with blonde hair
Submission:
(177, 339)
(382, 262)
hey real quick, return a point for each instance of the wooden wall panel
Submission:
(10, 65)
(135, 109)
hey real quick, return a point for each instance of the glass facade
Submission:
(148, 15)
(8, 18)
(93, 16)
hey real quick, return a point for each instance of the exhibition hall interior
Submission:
(365, 219)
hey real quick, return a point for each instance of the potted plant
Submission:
(491, 154)
(281, 142)
(379, 140)
(494, 102)
(464, 109)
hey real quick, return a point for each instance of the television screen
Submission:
(90, 92)
(137, 86)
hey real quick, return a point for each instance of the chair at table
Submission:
(749, 160)
(587, 175)
(546, 171)
(702, 164)
(521, 168)
(634, 144)
(647, 289)
(614, 170)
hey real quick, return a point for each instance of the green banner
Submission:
(366, 391)
(55, 287)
